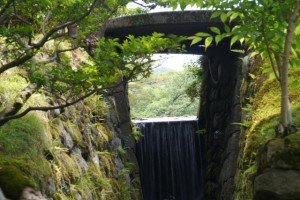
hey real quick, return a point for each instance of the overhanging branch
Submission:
(38, 45)
(6, 118)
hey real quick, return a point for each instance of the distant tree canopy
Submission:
(166, 94)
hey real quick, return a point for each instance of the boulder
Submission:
(277, 184)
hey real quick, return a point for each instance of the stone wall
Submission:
(83, 157)
(219, 111)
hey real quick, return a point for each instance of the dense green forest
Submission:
(165, 94)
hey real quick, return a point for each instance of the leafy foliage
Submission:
(269, 28)
(47, 40)
(164, 94)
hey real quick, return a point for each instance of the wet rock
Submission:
(79, 197)
(119, 166)
(116, 143)
(277, 184)
(67, 140)
(51, 186)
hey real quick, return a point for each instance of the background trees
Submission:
(166, 94)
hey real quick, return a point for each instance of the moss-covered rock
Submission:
(13, 181)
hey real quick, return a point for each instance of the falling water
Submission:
(170, 159)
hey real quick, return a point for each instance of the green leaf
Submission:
(238, 50)
(252, 54)
(215, 30)
(218, 38)
(271, 76)
(230, 13)
(297, 30)
(174, 5)
(215, 14)
(223, 17)
(242, 40)
(202, 34)
(208, 42)
(183, 4)
(227, 28)
(233, 40)
(252, 76)
(295, 84)
(233, 17)
(196, 40)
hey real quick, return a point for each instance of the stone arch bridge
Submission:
(220, 102)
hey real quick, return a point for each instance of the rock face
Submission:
(278, 175)
(84, 157)
(220, 110)
(277, 184)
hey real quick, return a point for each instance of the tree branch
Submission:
(44, 40)
(269, 50)
(271, 57)
(64, 25)
(16, 62)
(56, 55)
(4, 119)
(19, 102)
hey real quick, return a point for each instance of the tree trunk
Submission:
(285, 116)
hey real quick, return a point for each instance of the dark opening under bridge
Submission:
(220, 101)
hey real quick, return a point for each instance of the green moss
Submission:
(60, 195)
(13, 181)
(22, 143)
(10, 86)
(264, 116)
(97, 107)
(17, 137)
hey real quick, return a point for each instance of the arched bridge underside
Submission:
(177, 22)
(220, 108)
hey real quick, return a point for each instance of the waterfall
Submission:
(170, 159)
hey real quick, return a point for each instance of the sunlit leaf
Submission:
(252, 54)
(195, 40)
(218, 38)
(233, 17)
(215, 30)
(297, 30)
(202, 34)
(215, 14)
(223, 17)
(208, 42)
(227, 28)
(233, 40)
(252, 75)
(238, 50)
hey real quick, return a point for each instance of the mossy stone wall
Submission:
(72, 153)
